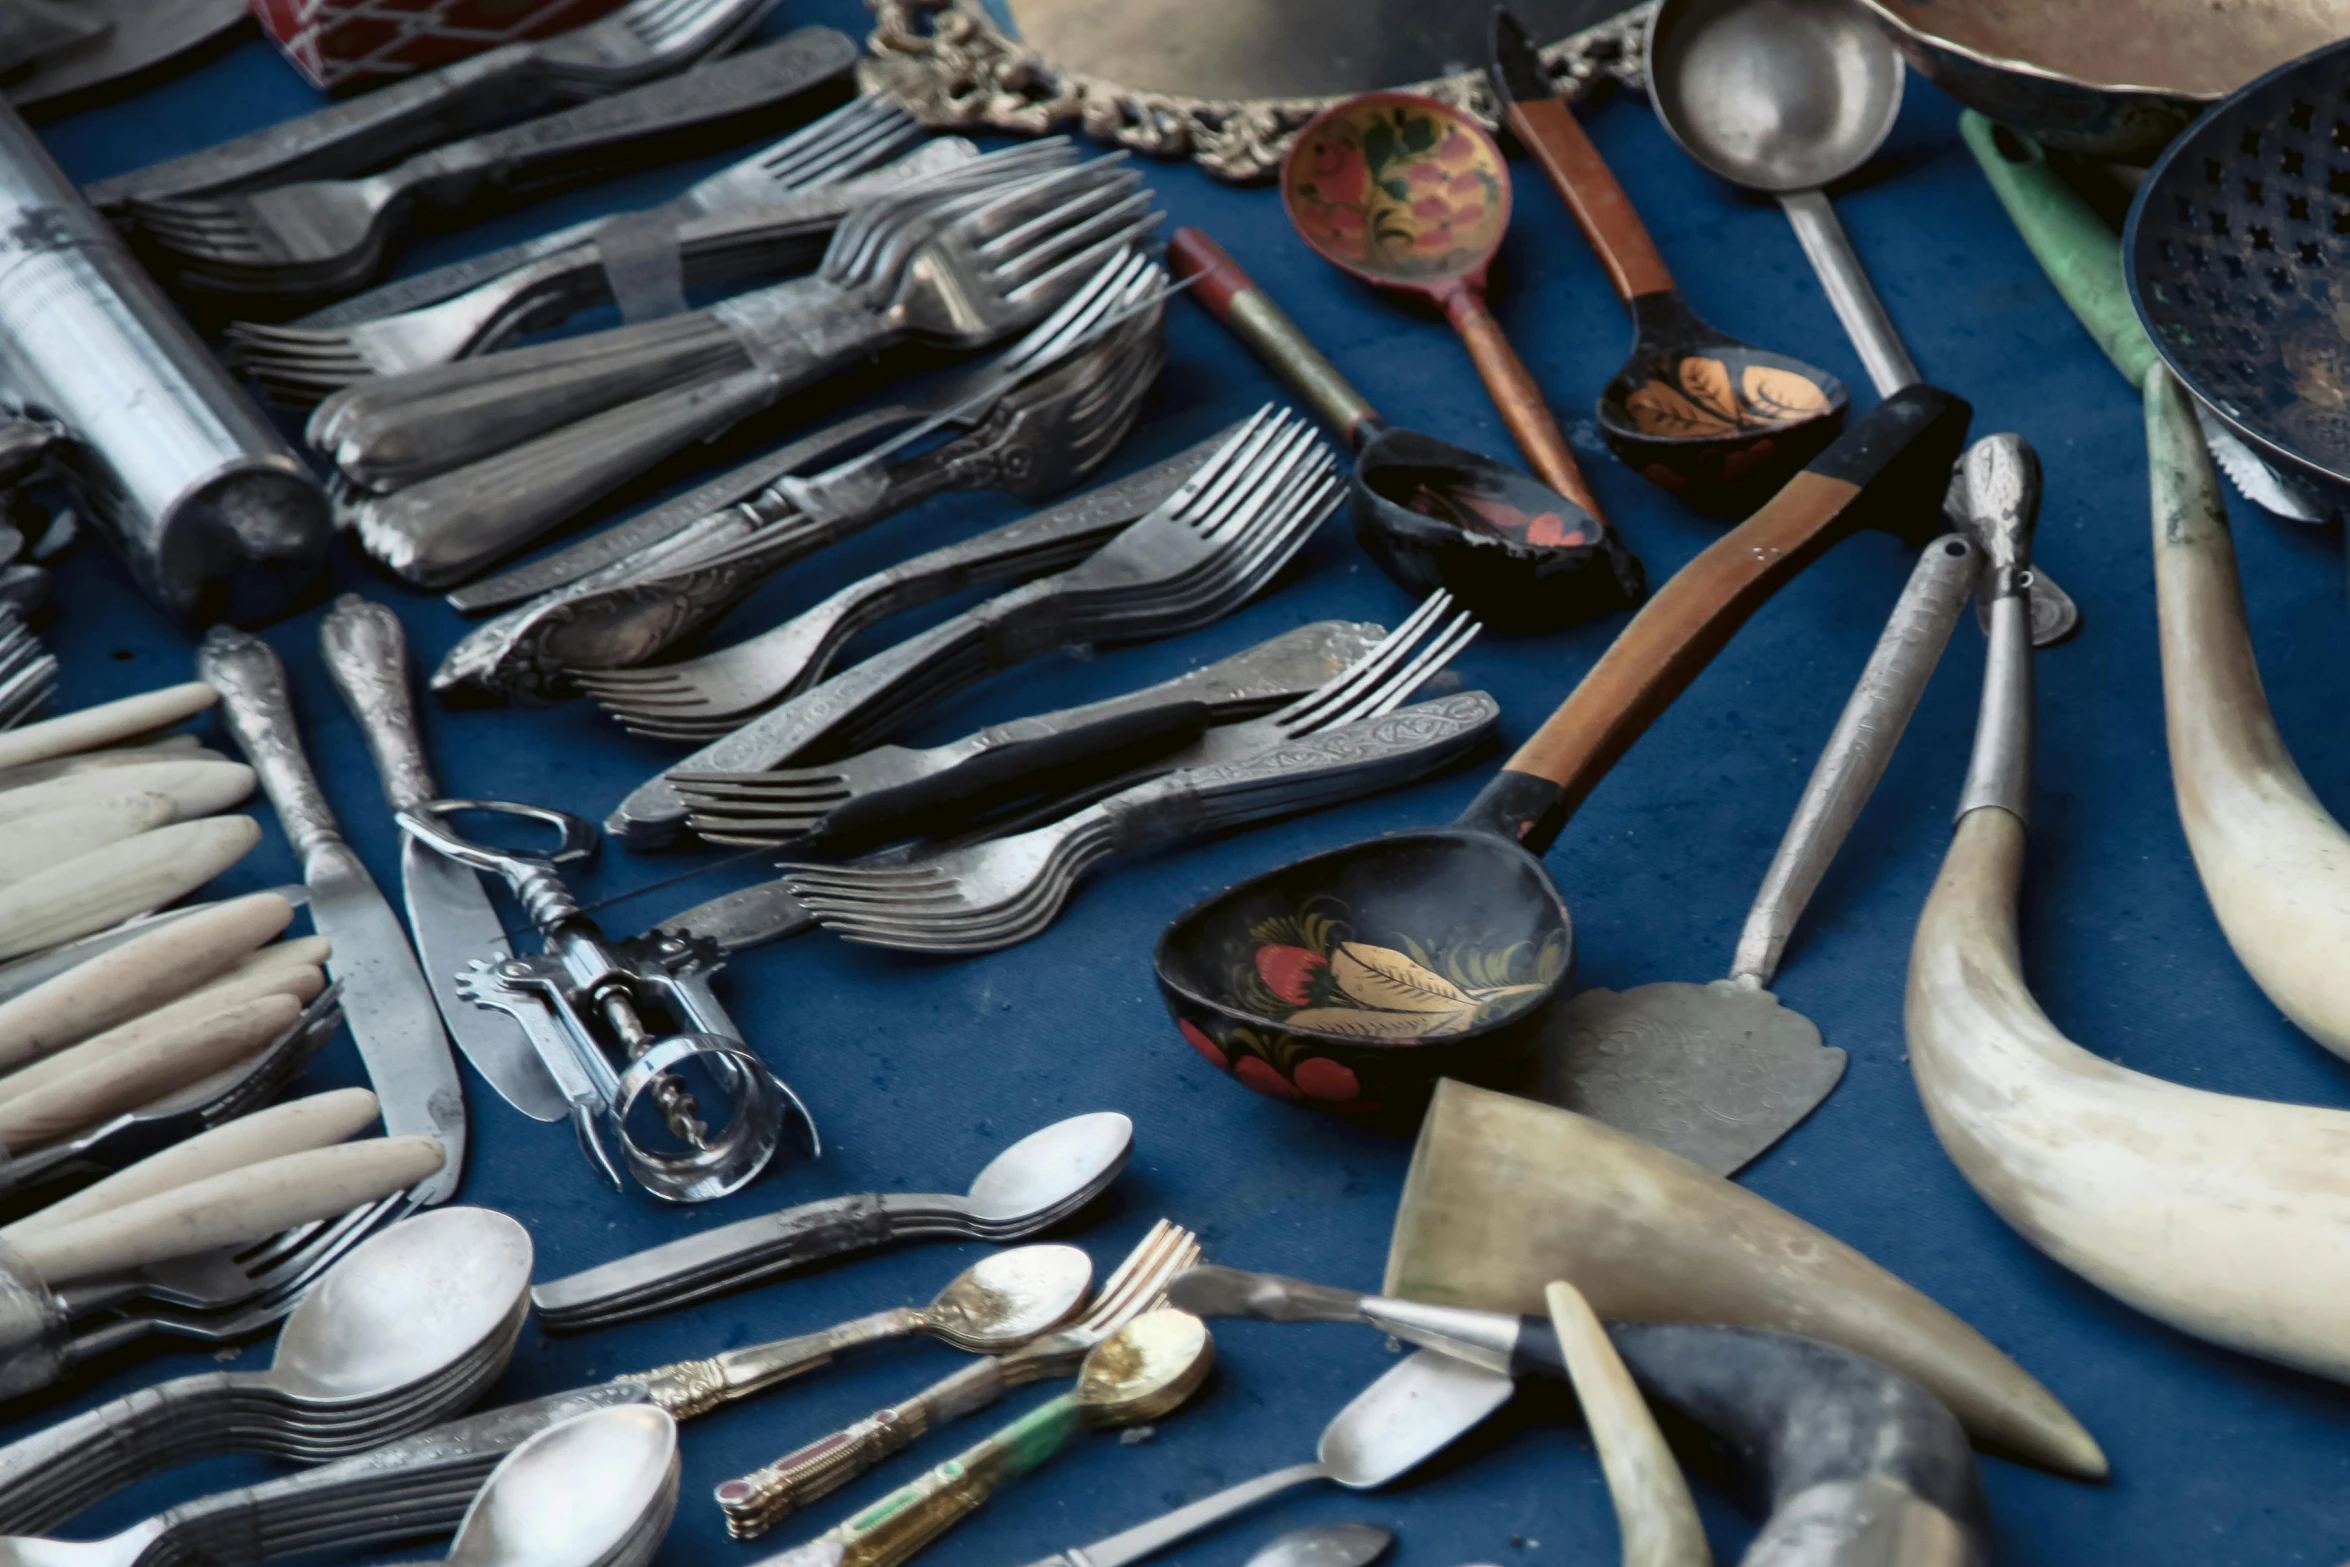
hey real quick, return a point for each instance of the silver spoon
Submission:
(1417, 1408)
(997, 1304)
(1787, 97)
(1037, 1182)
(401, 1334)
(595, 1491)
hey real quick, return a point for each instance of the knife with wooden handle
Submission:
(137, 977)
(386, 1002)
(232, 1208)
(448, 907)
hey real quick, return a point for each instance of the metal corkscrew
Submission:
(617, 1022)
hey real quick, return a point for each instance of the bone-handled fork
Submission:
(890, 786)
(322, 236)
(1197, 556)
(759, 1500)
(639, 41)
(1014, 256)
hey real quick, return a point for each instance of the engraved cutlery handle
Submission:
(343, 138)
(252, 684)
(121, 1440)
(893, 1530)
(692, 1387)
(663, 116)
(1300, 774)
(367, 654)
(1857, 751)
(758, 1501)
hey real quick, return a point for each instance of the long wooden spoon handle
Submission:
(1248, 312)
(1889, 470)
(1511, 385)
(1588, 186)
(229, 1209)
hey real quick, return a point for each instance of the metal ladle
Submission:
(1787, 97)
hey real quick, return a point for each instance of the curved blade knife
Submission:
(448, 907)
(385, 1000)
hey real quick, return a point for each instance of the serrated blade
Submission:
(455, 924)
(2261, 484)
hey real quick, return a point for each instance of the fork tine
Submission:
(1075, 249)
(1140, 1266)
(1306, 712)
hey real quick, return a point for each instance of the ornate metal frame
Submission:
(953, 68)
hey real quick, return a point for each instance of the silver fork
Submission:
(765, 211)
(759, 1500)
(1196, 557)
(890, 785)
(1059, 409)
(1014, 253)
(641, 40)
(1009, 889)
(322, 237)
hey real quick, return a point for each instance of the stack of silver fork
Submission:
(28, 671)
(1055, 406)
(502, 447)
(1198, 556)
(770, 212)
(1341, 742)
(639, 42)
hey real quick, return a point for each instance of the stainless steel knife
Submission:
(385, 999)
(449, 909)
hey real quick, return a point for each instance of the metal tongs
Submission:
(591, 1007)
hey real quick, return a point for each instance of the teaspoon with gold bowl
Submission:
(1145, 1370)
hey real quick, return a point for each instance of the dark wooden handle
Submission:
(1511, 386)
(1232, 297)
(1891, 463)
(1588, 186)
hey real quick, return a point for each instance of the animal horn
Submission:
(1505, 1195)
(2275, 865)
(2085, 1158)
(1654, 1511)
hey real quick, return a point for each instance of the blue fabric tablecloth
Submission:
(919, 1070)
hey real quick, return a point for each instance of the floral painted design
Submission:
(1335, 984)
(1476, 509)
(1398, 188)
(1705, 400)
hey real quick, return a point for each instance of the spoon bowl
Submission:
(1005, 1299)
(1353, 980)
(408, 1305)
(1776, 95)
(595, 1491)
(1144, 1370)
(1325, 1545)
(1419, 1407)
(1056, 1168)
(1412, 195)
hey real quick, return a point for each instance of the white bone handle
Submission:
(170, 1022)
(297, 1126)
(171, 748)
(106, 886)
(106, 724)
(195, 788)
(130, 1078)
(226, 1210)
(137, 976)
(35, 843)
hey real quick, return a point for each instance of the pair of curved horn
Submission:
(2222, 1216)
